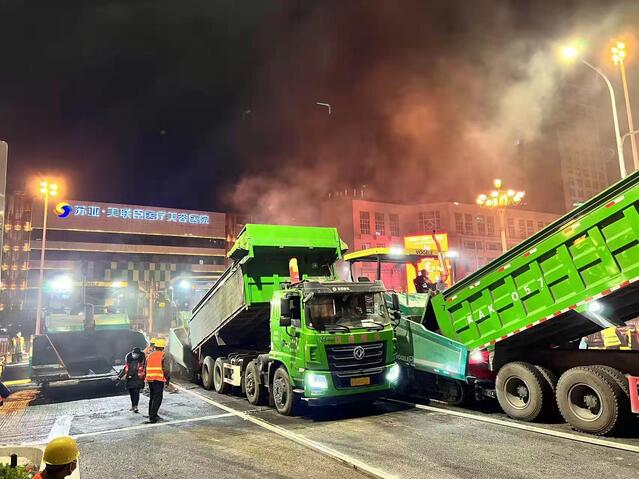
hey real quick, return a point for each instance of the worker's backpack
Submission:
(135, 368)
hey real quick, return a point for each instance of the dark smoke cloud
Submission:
(429, 99)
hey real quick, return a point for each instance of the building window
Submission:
(540, 225)
(366, 245)
(469, 244)
(522, 229)
(530, 229)
(511, 227)
(490, 246)
(380, 226)
(364, 222)
(468, 224)
(490, 225)
(394, 224)
(429, 221)
(459, 223)
(481, 224)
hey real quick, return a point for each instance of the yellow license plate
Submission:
(365, 381)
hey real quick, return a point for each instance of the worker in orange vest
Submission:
(60, 457)
(156, 376)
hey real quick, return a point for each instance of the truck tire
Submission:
(207, 372)
(550, 378)
(617, 376)
(522, 391)
(255, 391)
(218, 377)
(589, 400)
(283, 395)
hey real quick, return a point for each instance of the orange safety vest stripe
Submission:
(154, 370)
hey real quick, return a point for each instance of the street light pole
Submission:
(46, 189)
(615, 118)
(500, 200)
(502, 229)
(618, 55)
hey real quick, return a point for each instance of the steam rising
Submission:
(428, 102)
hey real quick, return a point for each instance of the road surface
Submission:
(206, 435)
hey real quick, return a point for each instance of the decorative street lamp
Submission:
(47, 189)
(571, 53)
(499, 200)
(618, 56)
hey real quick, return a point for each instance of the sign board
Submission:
(426, 242)
(93, 216)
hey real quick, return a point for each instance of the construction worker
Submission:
(133, 372)
(61, 458)
(17, 346)
(156, 376)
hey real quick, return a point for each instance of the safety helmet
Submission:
(153, 341)
(60, 451)
(160, 343)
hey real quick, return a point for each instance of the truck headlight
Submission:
(393, 373)
(317, 382)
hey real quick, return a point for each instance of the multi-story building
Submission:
(149, 249)
(585, 165)
(473, 232)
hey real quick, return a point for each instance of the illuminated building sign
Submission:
(427, 242)
(139, 214)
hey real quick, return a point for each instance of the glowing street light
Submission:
(499, 200)
(618, 56)
(47, 188)
(570, 53)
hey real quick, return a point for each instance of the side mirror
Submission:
(285, 312)
(395, 301)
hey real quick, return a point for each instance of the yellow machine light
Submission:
(569, 52)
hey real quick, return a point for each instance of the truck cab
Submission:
(335, 339)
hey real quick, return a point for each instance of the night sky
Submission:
(212, 105)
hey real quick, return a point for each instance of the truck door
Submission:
(285, 343)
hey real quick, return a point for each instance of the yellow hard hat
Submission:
(160, 343)
(153, 341)
(60, 451)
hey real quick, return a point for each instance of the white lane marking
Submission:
(60, 427)
(157, 424)
(301, 440)
(525, 427)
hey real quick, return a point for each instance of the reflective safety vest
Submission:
(38, 476)
(154, 370)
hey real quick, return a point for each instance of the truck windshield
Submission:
(347, 311)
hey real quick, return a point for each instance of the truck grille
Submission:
(356, 357)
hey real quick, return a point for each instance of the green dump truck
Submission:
(279, 327)
(526, 312)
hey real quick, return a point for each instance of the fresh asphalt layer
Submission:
(406, 441)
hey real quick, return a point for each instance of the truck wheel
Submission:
(207, 372)
(617, 376)
(255, 392)
(521, 391)
(589, 400)
(218, 377)
(283, 396)
(550, 378)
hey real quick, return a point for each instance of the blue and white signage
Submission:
(139, 214)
